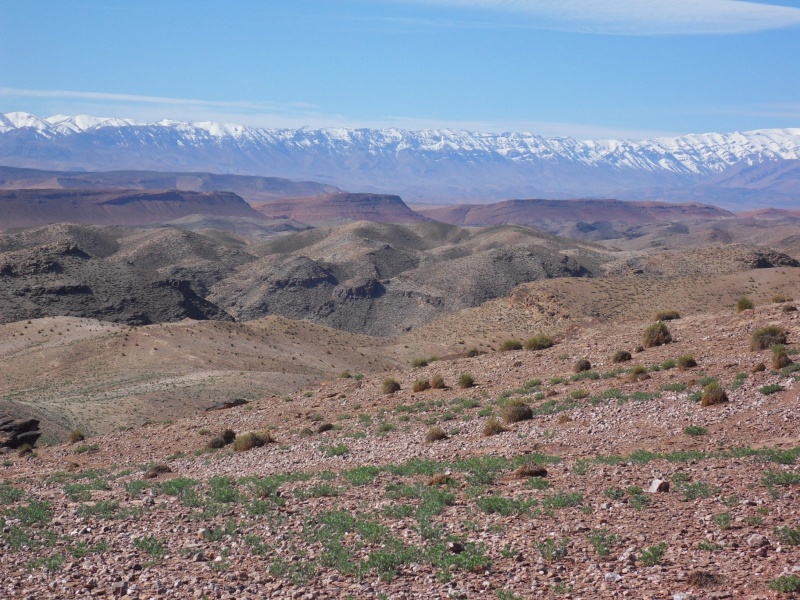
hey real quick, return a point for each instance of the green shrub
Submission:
(621, 356)
(771, 389)
(466, 381)
(667, 315)
(390, 386)
(510, 345)
(686, 361)
(652, 556)
(539, 342)
(695, 430)
(785, 584)
(656, 334)
(713, 393)
(744, 303)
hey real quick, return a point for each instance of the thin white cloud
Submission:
(137, 99)
(637, 17)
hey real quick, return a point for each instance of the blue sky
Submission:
(588, 69)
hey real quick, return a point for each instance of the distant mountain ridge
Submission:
(441, 164)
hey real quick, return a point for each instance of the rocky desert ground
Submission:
(231, 408)
(508, 474)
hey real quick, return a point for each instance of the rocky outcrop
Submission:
(16, 432)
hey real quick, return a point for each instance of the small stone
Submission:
(612, 577)
(757, 541)
(658, 486)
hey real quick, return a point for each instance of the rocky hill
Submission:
(336, 208)
(35, 207)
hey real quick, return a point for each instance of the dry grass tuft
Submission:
(529, 470)
(638, 373)
(509, 345)
(780, 358)
(76, 436)
(493, 426)
(420, 385)
(667, 315)
(704, 579)
(686, 362)
(222, 439)
(780, 298)
(466, 381)
(390, 386)
(435, 434)
(713, 394)
(621, 356)
(539, 342)
(517, 411)
(582, 365)
(437, 382)
(767, 337)
(248, 441)
(656, 334)
(744, 303)
(439, 479)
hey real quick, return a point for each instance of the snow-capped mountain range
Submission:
(440, 164)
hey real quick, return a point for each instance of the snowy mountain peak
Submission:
(427, 163)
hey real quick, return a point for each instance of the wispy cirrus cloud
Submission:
(635, 17)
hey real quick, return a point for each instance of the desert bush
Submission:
(222, 439)
(621, 356)
(656, 334)
(638, 373)
(390, 386)
(76, 436)
(254, 439)
(780, 358)
(744, 303)
(466, 381)
(437, 382)
(516, 411)
(493, 426)
(667, 315)
(539, 342)
(420, 385)
(512, 344)
(779, 298)
(582, 365)
(435, 434)
(529, 470)
(766, 337)
(686, 361)
(24, 449)
(423, 362)
(713, 393)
